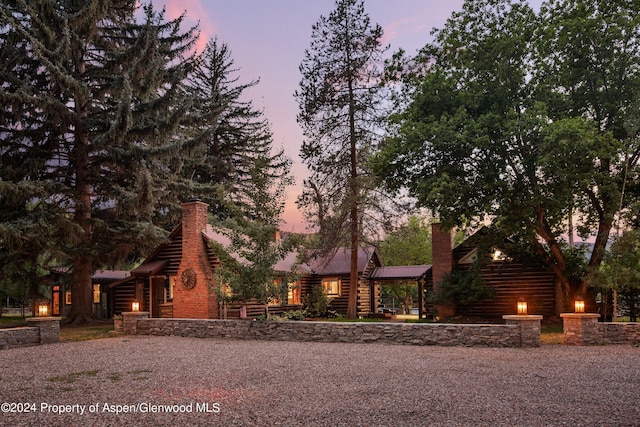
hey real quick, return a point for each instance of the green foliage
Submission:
(523, 119)
(316, 303)
(247, 263)
(410, 244)
(339, 101)
(92, 102)
(109, 125)
(461, 287)
(232, 164)
(620, 271)
(294, 315)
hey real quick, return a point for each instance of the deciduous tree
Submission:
(522, 119)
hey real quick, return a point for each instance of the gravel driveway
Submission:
(137, 380)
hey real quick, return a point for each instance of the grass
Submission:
(9, 321)
(363, 320)
(551, 334)
(85, 333)
(72, 377)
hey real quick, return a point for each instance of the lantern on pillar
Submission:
(43, 310)
(522, 306)
(135, 306)
(579, 305)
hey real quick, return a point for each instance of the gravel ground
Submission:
(247, 383)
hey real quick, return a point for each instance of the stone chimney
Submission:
(193, 296)
(442, 262)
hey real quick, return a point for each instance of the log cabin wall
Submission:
(510, 282)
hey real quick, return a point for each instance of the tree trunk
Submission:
(81, 286)
(352, 311)
(354, 190)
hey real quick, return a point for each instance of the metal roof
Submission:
(339, 262)
(149, 268)
(405, 272)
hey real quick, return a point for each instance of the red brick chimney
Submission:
(442, 263)
(193, 295)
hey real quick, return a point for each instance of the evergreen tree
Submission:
(339, 109)
(235, 169)
(92, 100)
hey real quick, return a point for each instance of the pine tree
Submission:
(230, 139)
(92, 101)
(235, 169)
(339, 101)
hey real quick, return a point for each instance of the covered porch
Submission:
(394, 275)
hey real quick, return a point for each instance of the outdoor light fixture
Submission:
(522, 306)
(43, 310)
(135, 306)
(579, 305)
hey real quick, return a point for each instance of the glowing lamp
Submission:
(522, 306)
(579, 305)
(135, 306)
(43, 310)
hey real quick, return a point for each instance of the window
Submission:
(293, 293)
(331, 287)
(67, 297)
(56, 301)
(96, 294)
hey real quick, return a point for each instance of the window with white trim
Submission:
(331, 286)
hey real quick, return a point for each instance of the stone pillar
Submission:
(529, 328)
(581, 328)
(130, 321)
(49, 328)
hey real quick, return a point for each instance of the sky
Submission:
(267, 40)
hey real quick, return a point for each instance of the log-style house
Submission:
(510, 280)
(177, 279)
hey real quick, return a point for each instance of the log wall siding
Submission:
(364, 303)
(338, 304)
(510, 282)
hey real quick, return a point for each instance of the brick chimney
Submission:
(193, 296)
(442, 262)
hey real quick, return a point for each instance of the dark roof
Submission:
(110, 275)
(407, 272)
(339, 261)
(149, 268)
(98, 276)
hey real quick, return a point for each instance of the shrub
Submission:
(461, 287)
(317, 302)
(293, 315)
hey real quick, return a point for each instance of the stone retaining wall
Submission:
(584, 329)
(19, 337)
(619, 333)
(41, 330)
(388, 333)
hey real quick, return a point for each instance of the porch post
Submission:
(420, 298)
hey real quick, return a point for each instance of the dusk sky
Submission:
(267, 39)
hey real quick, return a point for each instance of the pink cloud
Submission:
(196, 12)
(392, 29)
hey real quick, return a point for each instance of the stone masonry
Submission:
(41, 330)
(466, 335)
(584, 329)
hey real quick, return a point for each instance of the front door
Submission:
(157, 295)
